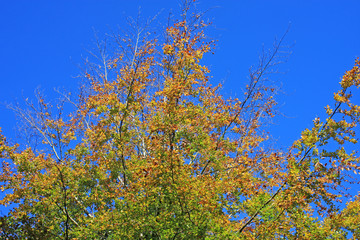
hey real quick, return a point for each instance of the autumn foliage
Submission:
(153, 150)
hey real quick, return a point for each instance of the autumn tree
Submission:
(153, 150)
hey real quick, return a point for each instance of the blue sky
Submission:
(42, 43)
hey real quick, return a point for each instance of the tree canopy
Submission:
(153, 150)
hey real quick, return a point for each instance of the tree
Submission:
(152, 150)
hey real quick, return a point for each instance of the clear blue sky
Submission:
(43, 41)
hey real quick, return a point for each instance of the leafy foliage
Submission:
(152, 150)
